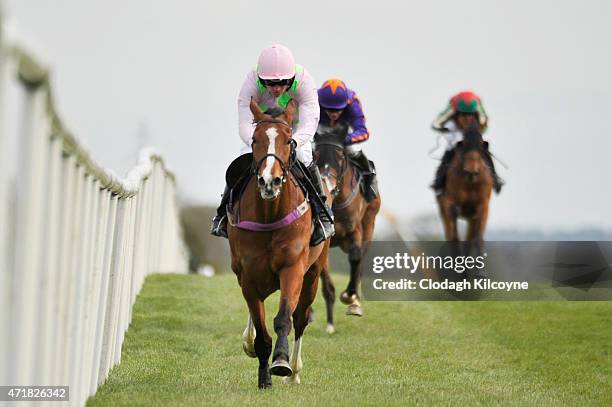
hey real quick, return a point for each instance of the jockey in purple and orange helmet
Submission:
(341, 110)
(273, 83)
(464, 110)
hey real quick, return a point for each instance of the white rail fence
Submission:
(75, 242)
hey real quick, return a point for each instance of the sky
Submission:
(167, 74)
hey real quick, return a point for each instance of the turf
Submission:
(183, 348)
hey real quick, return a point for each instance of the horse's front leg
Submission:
(350, 296)
(329, 293)
(248, 338)
(449, 214)
(263, 341)
(291, 279)
(301, 315)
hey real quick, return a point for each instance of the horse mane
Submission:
(472, 139)
(274, 111)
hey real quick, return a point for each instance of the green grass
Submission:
(183, 348)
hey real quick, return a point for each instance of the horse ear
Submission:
(257, 113)
(290, 111)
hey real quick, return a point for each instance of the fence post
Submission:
(26, 266)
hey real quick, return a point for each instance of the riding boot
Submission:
(219, 222)
(497, 181)
(324, 226)
(440, 180)
(370, 184)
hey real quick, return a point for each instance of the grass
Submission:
(183, 348)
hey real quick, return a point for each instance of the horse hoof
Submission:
(249, 349)
(330, 329)
(281, 368)
(346, 298)
(354, 309)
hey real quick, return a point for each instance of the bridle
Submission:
(343, 165)
(286, 167)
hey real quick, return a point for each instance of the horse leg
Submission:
(248, 338)
(329, 293)
(263, 341)
(350, 296)
(291, 279)
(301, 316)
(449, 218)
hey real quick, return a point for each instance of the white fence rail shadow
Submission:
(76, 242)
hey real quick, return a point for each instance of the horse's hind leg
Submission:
(263, 341)
(329, 293)
(291, 279)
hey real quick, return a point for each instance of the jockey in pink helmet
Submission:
(273, 83)
(465, 109)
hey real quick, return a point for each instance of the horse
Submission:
(270, 248)
(354, 217)
(469, 182)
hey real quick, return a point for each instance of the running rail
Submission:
(76, 242)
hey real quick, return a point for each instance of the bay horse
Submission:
(469, 182)
(354, 217)
(270, 247)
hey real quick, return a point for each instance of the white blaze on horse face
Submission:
(272, 133)
(326, 178)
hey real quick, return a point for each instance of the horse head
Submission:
(330, 156)
(273, 148)
(472, 150)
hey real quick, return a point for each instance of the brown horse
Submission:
(270, 248)
(468, 189)
(354, 218)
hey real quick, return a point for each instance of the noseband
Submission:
(286, 167)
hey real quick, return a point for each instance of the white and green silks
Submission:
(304, 92)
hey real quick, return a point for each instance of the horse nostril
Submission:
(277, 181)
(261, 181)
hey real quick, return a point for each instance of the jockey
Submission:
(464, 110)
(273, 83)
(341, 106)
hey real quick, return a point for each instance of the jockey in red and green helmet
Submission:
(464, 110)
(341, 109)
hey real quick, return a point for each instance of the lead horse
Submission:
(354, 217)
(269, 239)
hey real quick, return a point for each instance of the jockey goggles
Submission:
(277, 82)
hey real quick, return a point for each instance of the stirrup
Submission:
(319, 233)
(219, 226)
